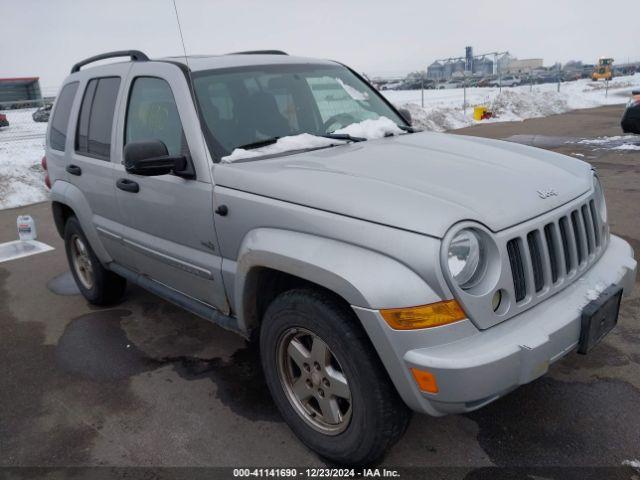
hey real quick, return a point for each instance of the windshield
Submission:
(242, 106)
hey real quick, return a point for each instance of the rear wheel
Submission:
(97, 284)
(326, 379)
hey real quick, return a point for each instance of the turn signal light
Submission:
(424, 316)
(426, 380)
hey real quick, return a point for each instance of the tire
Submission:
(97, 284)
(373, 418)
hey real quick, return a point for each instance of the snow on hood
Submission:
(369, 129)
(284, 144)
(422, 182)
(372, 129)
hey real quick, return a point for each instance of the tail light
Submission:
(47, 180)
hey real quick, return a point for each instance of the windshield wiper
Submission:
(343, 136)
(260, 143)
(408, 128)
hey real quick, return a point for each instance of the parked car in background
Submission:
(449, 84)
(631, 117)
(506, 81)
(42, 114)
(486, 81)
(3, 120)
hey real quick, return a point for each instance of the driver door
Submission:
(168, 224)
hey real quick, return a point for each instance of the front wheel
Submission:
(326, 379)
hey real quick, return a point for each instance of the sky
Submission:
(45, 37)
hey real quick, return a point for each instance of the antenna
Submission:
(184, 49)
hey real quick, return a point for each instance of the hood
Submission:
(422, 182)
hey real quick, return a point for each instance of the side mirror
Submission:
(406, 114)
(151, 158)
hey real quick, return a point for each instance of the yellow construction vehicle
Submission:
(603, 70)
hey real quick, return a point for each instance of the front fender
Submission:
(362, 277)
(68, 194)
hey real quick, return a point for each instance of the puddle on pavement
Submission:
(551, 422)
(95, 346)
(63, 284)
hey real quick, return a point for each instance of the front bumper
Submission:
(474, 367)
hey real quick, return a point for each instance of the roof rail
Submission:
(136, 56)
(259, 52)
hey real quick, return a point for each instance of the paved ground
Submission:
(146, 384)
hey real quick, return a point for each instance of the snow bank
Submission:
(443, 108)
(21, 149)
(627, 146)
(632, 463)
(369, 129)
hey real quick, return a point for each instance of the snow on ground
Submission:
(632, 463)
(369, 129)
(443, 108)
(616, 142)
(21, 149)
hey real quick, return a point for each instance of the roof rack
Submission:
(136, 56)
(259, 52)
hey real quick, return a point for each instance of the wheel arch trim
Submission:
(359, 276)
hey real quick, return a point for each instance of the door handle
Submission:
(74, 170)
(128, 185)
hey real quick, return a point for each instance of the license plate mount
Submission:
(599, 317)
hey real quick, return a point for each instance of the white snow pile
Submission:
(627, 146)
(615, 142)
(443, 108)
(369, 129)
(21, 149)
(372, 129)
(604, 140)
(632, 463)
(284, 144)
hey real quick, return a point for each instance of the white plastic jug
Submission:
(27, 228)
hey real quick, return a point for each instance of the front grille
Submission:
(517, 269)
(542, 257)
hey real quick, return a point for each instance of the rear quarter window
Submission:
(60, 121)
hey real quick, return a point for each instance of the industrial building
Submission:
(524, 65)
(19, 92)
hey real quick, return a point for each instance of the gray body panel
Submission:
(423, 182)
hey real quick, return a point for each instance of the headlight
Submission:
(465, 258)
(599, 199)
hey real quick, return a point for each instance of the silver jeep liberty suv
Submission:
(380, 269)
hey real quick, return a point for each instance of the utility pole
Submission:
(558, 72)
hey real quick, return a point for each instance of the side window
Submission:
(152, 114)
(60, 121)
(95, 122)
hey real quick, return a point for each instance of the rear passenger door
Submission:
(88, 163)
(168, 222)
